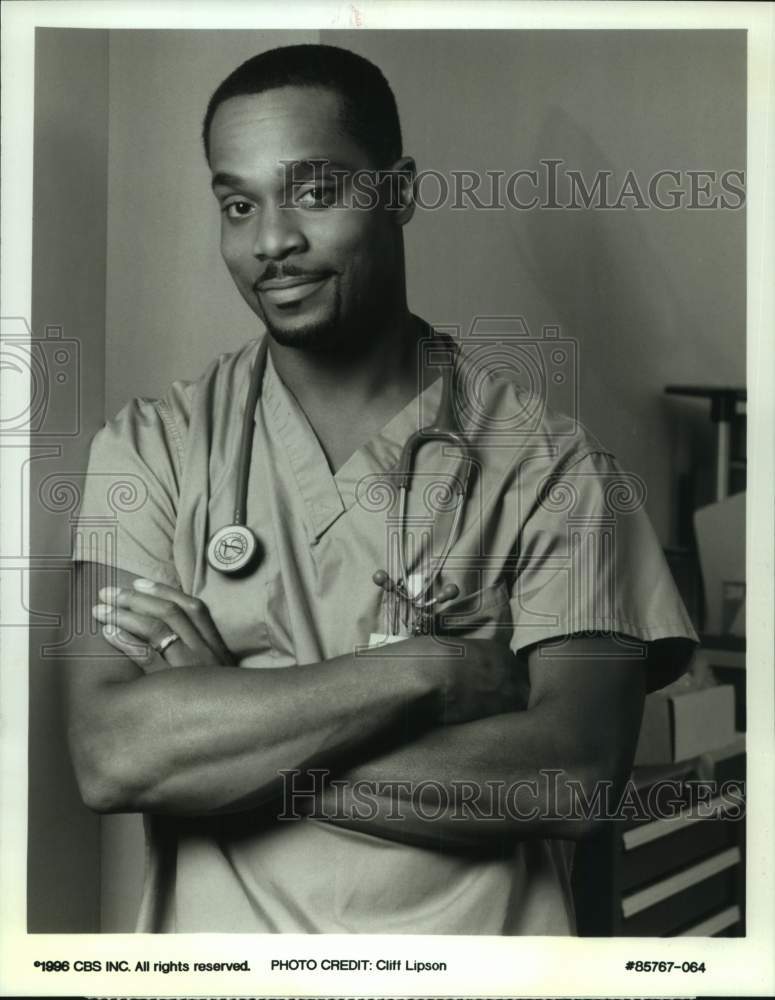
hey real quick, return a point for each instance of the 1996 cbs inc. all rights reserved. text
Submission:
(274, 964)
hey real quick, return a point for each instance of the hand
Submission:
(487, 680)
(137, 620)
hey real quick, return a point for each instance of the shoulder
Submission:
(149, 422)
(219, 382)
(504, 407)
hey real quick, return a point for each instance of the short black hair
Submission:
(369, 107)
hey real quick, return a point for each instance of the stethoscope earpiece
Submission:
(412, 590)
(383, 580)
(448, 593)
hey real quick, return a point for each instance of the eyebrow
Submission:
(222, 179)
(297, 170)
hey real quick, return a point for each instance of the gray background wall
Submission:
(651, 296)
(69, 238)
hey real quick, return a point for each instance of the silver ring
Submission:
(166, 642)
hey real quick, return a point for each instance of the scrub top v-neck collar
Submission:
(328, 495)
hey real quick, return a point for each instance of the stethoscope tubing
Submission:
(246, 437)
(451, 433)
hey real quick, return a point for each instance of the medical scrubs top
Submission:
(554, 541)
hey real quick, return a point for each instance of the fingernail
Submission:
(141, 584)
(101, 610)
(109, 593)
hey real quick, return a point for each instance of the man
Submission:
(220, 759)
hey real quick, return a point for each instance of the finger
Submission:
(194, 607)
(143, 654)
(144, 628)
(184, 614)
(136, 649)
(152, 629)
(149, 607)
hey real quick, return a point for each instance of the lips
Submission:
(282, 291)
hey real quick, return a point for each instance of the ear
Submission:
(399, 189)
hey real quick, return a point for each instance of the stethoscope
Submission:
(232, 548)
(413, 594)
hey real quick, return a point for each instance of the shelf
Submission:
(643, 899)
(648, 832)
(723, 398)
(724, 412)
(715, 924)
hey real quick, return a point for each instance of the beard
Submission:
(318, 336)
(331, 334)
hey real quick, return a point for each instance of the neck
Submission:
(384, 369)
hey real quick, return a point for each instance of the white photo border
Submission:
(482, 966)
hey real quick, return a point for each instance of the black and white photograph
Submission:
(387, 485)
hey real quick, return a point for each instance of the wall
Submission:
(171, 305)
(69, 232)
(651, 297)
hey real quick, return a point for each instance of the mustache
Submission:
(275, 272)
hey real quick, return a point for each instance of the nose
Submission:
(278, 234)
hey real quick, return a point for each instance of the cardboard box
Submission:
(683, 725)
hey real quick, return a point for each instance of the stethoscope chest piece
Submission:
(232, 548)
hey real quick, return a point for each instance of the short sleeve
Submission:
(589, 560)
(129, 502)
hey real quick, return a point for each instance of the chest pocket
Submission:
(485, 614)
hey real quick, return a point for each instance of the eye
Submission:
(315, 196)
(237, 209)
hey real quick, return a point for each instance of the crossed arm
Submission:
(511, 775)
(191, 735)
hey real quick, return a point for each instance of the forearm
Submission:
(474, 785)
(203, 739)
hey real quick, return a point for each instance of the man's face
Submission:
(315, 273)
